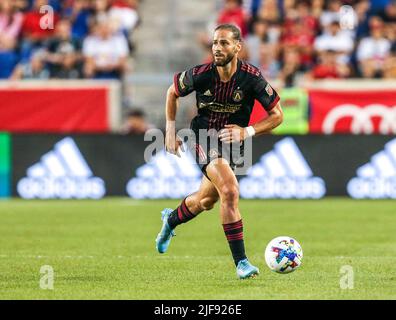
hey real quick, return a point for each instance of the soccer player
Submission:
(225, 91)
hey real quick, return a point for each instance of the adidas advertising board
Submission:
(300, 167)
(282, 173)
(377, 178)
(165, 176)
(61, 173)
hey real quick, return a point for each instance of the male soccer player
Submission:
(225, 92)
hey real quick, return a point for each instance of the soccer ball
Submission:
(283, 254)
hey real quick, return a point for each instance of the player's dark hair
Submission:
(236, 32)
(136, 113)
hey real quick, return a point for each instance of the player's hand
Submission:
(173, 144)
(232, 133)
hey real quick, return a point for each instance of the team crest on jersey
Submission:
(237, 96)
(269, 90)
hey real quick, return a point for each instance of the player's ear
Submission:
(238, 46)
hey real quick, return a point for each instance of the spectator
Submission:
(63, 53)
(317, 8)
(105, 53)
(373, 50)
(254, 41)
(79, 14)
(234, 13)
(390, 64)
(33, 32)
(388, 14)
(302, 39)
(335, 40)
(10, 25)
(136, 123)
(329, 67)
(331, 14)
(101, 10)
(291, 66)
(21, 5)
(268, 64)
(125, 17)
(269, 11)
(32, 69)
(362, 9)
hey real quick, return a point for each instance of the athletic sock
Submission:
(180, 215)
(234, 235)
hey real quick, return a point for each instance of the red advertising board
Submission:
(354, 111)
(53, 110)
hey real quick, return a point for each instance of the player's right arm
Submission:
(183, 84)
(172, 143)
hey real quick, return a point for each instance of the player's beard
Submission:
(226, 60)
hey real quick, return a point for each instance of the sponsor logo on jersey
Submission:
(362, 118)
(61, 173)
(376, 179)
(166, 176)
(218, 107)
(282, 173)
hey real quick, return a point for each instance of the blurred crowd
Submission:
(293, 40)
(66, 39)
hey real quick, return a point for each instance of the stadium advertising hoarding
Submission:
(85, 106)
(371, 111)
(302, 167)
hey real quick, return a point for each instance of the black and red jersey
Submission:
(220, 103)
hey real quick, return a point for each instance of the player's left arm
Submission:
(274, 119)
(269, 99)
(235, 133)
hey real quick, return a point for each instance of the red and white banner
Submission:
(354, 111)
(57, 107)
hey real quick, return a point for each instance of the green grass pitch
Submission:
(106, 250)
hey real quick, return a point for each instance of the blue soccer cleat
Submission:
(246, 270)
(164, 237)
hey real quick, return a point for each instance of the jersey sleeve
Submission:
(184, 83)
(265, 94)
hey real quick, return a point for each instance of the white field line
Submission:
(5, 256)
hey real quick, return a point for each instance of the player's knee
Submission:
(230, 194)
(208, 203)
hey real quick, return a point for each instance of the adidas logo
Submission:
(166, 176)
(208, 93)
(61, 173)
(282, 173)
(376, 179)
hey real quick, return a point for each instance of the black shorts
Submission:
(205, 146)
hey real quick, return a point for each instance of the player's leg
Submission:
(224, 179)
(194, 204)
(191, 206)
